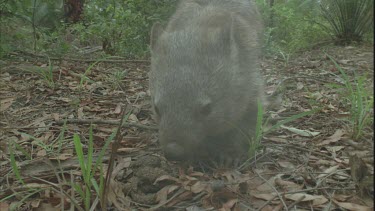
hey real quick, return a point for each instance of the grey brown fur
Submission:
(204, 79)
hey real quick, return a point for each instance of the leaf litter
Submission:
(310, 163)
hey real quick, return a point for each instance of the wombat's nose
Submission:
(174, 151)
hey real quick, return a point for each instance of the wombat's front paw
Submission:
(229, 161)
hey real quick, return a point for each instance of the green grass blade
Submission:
(14, 166)
(291, 119)
(79, 151)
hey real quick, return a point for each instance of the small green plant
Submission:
(46, 73)
(89, 169)
(290, 119)
(115, 79)
(260, 130)
(14, 149)
(349, 19)
(361, 102)
(255, 142)
(84, 76)
(285, 56)
(13, 163)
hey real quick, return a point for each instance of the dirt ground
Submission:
(311, 163)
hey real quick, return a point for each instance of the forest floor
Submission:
(311, 163)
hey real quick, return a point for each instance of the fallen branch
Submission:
(106, 122)
(79, 60)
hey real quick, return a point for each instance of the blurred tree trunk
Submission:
(73, 10)
(270, 24)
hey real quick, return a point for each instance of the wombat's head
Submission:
(197, 88)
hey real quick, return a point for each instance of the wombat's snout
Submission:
(174, 151)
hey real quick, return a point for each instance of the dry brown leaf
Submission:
(227, 206)
(352, 206)
(162, 194)
(166, 177)
(334, 149)
(80, 113)
(288, 185)
(194, 208)
(343, 61)
(330, 170)
(6, 76)
(190, 178)
(46, 137)
(300, 132)
(55, 116)
(265, 196)
(278, 140)
(316, 200)
(196, 174)
(6, 103)
(117, 109)
(267, 186)
(65, 99)
(4, 206)
(185, 196)
(333, 138)
(46, 207)
(217, 198)
(133, 118)
(300, 85)
(267, 208)
(116, 194)
(340, 197)
(62, 156)
(280, 206)
(286, 164)
(41, 153)
(122, 164)
(40, 121)
(198, 187)
(35, 203)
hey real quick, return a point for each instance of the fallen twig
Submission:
(108, 122)
(80, 60)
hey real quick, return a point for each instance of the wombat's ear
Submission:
(241, 35)
(156, 31)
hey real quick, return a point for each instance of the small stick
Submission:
(115, 146)
(108, 122)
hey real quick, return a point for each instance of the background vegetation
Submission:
(122, 27)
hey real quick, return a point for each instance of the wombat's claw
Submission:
(214, 163)
(226, 161)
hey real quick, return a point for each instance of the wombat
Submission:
(204, 79)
